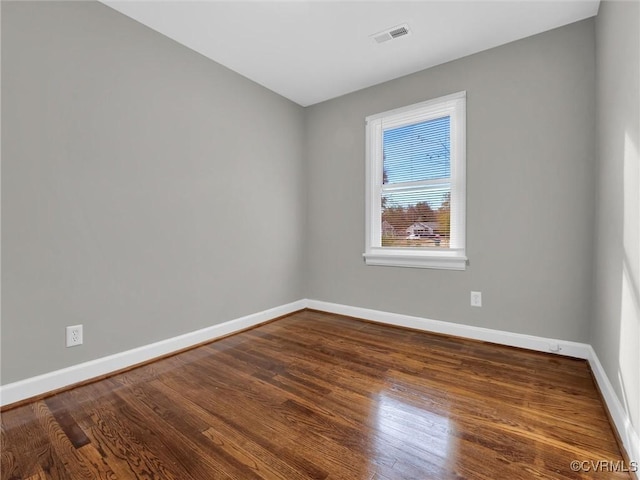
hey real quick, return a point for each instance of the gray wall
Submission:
(530, 191)
(146, 190)
(615, 333)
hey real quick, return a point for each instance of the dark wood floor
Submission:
(320, 396)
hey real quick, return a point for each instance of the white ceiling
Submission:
(311, 51)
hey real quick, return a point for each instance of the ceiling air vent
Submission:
(391, 33)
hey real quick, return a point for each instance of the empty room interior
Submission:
(313, 239)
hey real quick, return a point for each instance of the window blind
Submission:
(416, 184)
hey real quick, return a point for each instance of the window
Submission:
(415, 202)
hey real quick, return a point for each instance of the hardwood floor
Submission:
(320, 396)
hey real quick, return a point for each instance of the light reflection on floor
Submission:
(411, 432)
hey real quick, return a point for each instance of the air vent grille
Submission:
(391, 33)
(398, 32)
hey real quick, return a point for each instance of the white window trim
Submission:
(453, 258)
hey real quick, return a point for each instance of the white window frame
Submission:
(453, 258)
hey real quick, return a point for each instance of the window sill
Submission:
(437, 260)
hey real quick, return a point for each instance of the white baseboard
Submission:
(48, 382)
(628, 435)
(585, 351)
(530, 342)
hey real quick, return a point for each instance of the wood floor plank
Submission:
(68, 425)
(320, 396)
(62, 446)
(272, 435)
(27, 445)
(213, 426)
(180, 445)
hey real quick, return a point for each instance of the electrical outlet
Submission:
(74, 335)
(476, 299)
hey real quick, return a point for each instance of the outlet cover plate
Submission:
(74, 335)
(476, 299)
